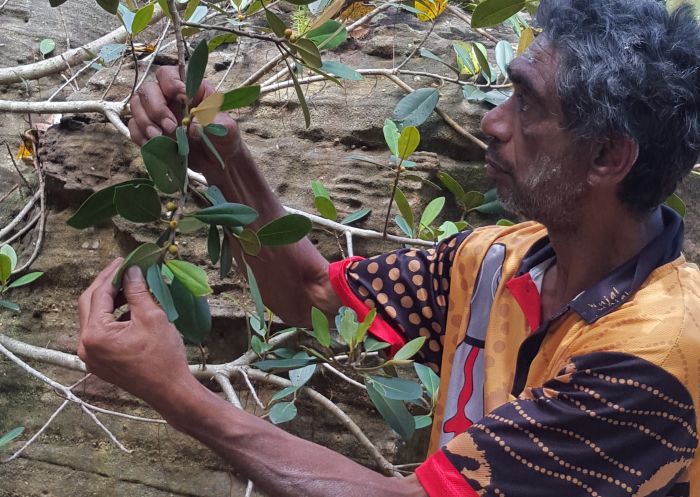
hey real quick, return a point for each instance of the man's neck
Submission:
(600, 243)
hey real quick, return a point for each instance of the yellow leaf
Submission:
(526, 37)
(206, 111)
(430, 8)
(24, 153)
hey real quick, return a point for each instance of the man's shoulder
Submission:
(517, 239)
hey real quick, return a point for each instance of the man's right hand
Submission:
(158, 108)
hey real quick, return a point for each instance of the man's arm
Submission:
(291, 278)
(146, 357)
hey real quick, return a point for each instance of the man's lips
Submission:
(497, 166)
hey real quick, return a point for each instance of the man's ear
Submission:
(613, 160)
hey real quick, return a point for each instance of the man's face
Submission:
(539, 168)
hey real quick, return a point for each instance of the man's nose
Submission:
(496, 123)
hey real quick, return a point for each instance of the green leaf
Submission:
(424, 52)
(5, 268)
(190, 225)
(226, 258)
(26, 279)
(250, 243)
(473, 94)
(194, 316)
(422, 421)
(299, 377)
(183, 144)
(409, 350)
(258, 346)
(226, 214)
(472, 200)
(161, 292)
(401, 223)
(165, 8)
(214, 195)
(364, 326)
(276, 24)
(373, 345)
(300, 95)
(504, 56)
(328, 35)
(319, 322)
(491, 195)
(397, 388)
(195, 69)
(110, 6)
(325, 207)
(9, 305)
(222, 39)
(408, 141)
(143, 256)
(282, 412)
(415, 108)
(448, 228)
(15, 432)
(284, 230)
(677, 204)
(240, 97)
(480, 53)
(216, 129)
(211, 147)
(308, 52)
(391, 136)
(255, 294)
(162, 160)
(213, 244)
(356, 216)
(301, 2)
(394, 412)
(56, 3)
(404, 207)
(99, 206)
(319, 190)
(505, 222)
(257, 326)
(492, 12)
(10, 252)
(452, 185)
(285, 392)
(190, 8)
(283, 364)
(137, 203)
(463, 51)
(432, 211)
(494, 207)
(47, 46)
(192, 277)
(346, 323)
(341, 70)
(428, 378)
(142, 18)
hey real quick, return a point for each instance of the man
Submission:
(569, 350)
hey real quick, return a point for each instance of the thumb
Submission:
(136, 291)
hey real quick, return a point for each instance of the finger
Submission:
(171, 85)
(136, 136)
(102, 302)
(156, 108)
(148, 128)
(136, 292)
(85, 300)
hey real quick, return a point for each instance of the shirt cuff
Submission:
(337, 272)
(440, 478)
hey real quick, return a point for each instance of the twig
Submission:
(385, 466)
(23, 231)
(65, 28)
(136, 67)
(252, 389)
(180, 41)
(342, 375)
(239, 32)
(114, 78)
(38, 433)
(72, 57)
(263, 70)
(70, 71)
(230, 66)
(348, 243)
(42, 210)
(12, 158)
(457, 12)
(105, 429)
(228, 390)
(152, 58)
(67, 82)
(3, 4)
(418, 47)
(10, 192)
(9, 227)
(249, 489)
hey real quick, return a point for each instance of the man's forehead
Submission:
(536, 67)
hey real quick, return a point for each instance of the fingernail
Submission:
(152, 132)
(134, 274)
(168, 125)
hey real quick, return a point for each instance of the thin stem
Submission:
(391, 200)
(180, 41)
(239, 32)
(420, 45)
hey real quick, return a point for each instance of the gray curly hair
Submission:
(629, 67)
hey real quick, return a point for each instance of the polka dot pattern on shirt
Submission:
(409, 289)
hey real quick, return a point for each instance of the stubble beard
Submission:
(551, 195)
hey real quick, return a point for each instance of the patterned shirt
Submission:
(598, 400)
